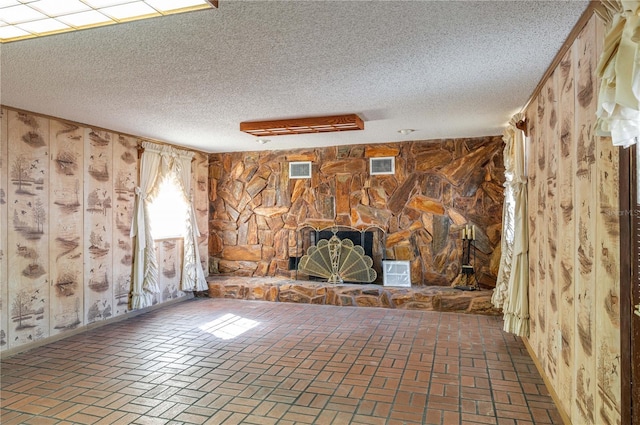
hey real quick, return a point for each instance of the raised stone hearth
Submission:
(433, 298)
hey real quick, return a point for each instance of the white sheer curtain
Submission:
(159, 162)
(193, 278)
(145, 264)
(512, 287)
(508, 221)
(619, 68)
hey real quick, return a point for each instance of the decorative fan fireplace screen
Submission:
(338, 260)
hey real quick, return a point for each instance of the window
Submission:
(168, 210)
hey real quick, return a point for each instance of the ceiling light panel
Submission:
(96, 4)
(129, 10)
(59, 7)
(43, 26)
(32, 18)
(20, 13)
(9, 32)
(170, 5)
(85, 19)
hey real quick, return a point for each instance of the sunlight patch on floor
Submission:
(229, 326)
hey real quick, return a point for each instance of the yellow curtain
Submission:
(619, 68)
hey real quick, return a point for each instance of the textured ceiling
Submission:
(444, 68)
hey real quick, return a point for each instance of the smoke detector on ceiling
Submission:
(406, 131)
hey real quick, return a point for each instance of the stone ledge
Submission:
(427, 298)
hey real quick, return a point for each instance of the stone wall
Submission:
(439, 186)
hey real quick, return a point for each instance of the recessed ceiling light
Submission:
(406, 131)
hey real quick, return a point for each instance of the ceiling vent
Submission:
(303, 125)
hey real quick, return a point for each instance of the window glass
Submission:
(168, 211)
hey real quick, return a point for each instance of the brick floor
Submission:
(217, 361)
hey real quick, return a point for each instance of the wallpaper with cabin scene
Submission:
(574, 237)
(67, 194)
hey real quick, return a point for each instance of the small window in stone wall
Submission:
(300, 170)
(382, 165)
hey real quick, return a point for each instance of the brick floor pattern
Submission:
(202, 362)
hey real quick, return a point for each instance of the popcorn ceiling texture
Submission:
(447, 69)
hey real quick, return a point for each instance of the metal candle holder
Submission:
(468, 250)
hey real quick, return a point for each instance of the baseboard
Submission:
(128, 315)
(552, 392)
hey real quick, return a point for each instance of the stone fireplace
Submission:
(371, 239)
(257, 213)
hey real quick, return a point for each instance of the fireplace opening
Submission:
(364, 239)
(372, 241)
(293, 263)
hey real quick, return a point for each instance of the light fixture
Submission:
(406, 131)
(263, 141)
(303, 125)
(22, 19)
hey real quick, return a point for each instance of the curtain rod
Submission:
(141, 150)
(523, 126)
